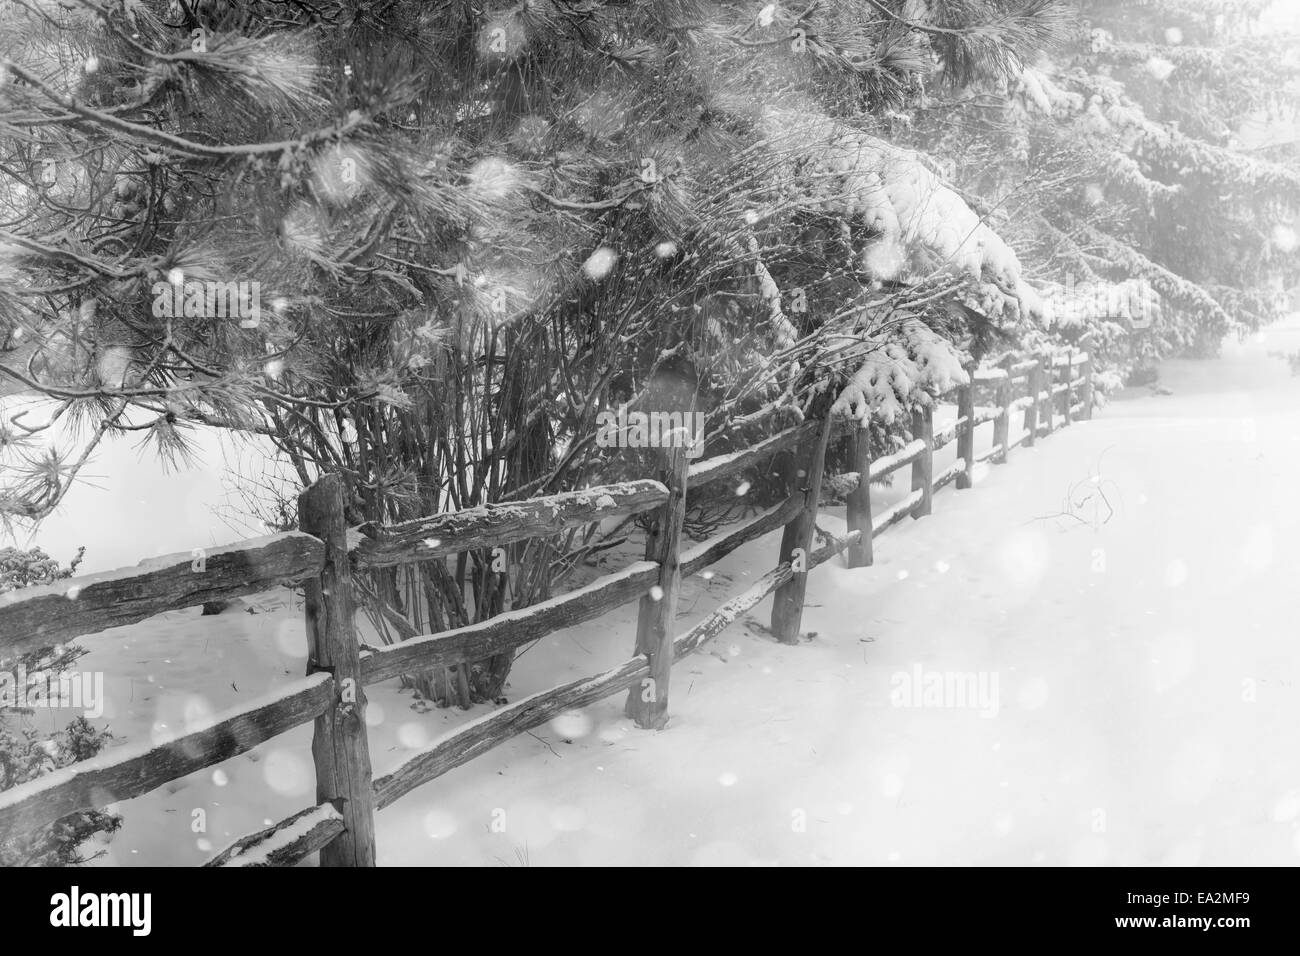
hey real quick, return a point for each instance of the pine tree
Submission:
(1120, 177)
(424, 245)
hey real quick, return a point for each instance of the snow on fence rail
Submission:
(36, 617)
(325, 552)
(135, 769)
(712, 469)
(495, 525)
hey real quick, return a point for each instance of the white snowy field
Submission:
(1144, 649)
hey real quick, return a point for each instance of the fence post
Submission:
(1069, 392)
(339, 746)
(858, 515)
(647, 703)
(1002, 424)
(1049, 406)
(796, 540)
(1085, 369)
(923, 466)
(966, 430)
(1035, 380)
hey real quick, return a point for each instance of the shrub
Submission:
(26, 754)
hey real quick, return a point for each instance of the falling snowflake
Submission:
(341, 174)
(302, 231)
(884, 259)
(494, 178)
(288, 773)
(439, 824)
(196, 712)
(1159, 67)
(571, 725)
(1285, 239)
(412, 735)
(599, 263)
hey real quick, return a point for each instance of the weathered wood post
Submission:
(796, 541)
(1085, 369)
(858, 514)
(923, 466)
(1069, 392)
(966, 429)
(1002, 424)
(1049, 400)
(339, 746)
(647, 703)
(1035, 380)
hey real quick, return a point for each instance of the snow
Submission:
(127, 508)
(1144, 659)
(260, 853)
(884, 465)
(521, 615)
(896, 374)
(883, 517)
(197, 717)
(845, 171)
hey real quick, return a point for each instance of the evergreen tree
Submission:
(464, 230)
(1114, 165)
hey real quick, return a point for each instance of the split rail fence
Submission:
(324, 554)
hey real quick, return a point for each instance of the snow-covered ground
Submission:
(1126, 593)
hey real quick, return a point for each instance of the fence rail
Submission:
(36, 617)
(500, 524)
(325, 552)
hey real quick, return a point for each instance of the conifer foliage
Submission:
(425, 244)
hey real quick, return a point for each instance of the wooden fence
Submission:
(324, 554)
